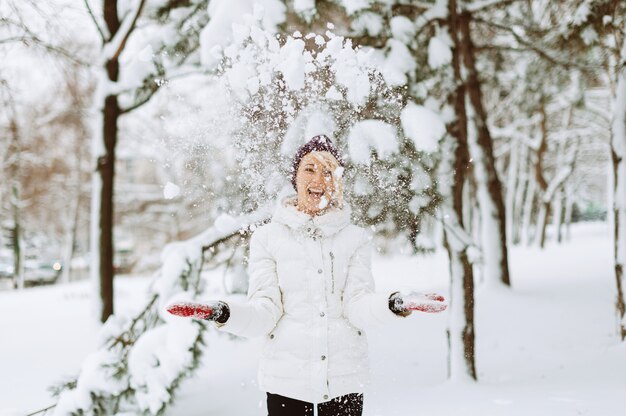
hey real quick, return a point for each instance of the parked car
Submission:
(38, 272)
(123, 261)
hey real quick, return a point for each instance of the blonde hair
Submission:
(328, 161)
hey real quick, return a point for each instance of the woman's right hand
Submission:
(210, 311)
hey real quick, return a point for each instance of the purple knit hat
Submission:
(319, 143)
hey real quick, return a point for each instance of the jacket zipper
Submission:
(315, 411)
(332, 272)
(324, 266)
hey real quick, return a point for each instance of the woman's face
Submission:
(315, 185)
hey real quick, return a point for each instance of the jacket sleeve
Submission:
(263, 307)
(361, 304)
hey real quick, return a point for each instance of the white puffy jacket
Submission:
(311, 293)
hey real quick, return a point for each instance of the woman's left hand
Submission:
(404, 304)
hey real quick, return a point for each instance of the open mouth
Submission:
(317, 193)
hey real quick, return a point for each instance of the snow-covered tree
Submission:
(141, 44)
(461, 329)
(588, 41)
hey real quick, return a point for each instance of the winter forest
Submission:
(142, 142)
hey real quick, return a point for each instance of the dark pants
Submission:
(348, 405)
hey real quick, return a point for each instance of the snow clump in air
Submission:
(323, 202)
(368, 135)
(423, 126)
(171, 191)
(257, 65)
(286, 91)
(226, 14)
(312, 121)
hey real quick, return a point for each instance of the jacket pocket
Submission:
(358, 342)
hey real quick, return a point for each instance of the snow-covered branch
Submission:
(98, 26)
(541, 50)
(437, 11)
(507, 132)
(479, 6)
(562, 135)
(148, 94)
(457, 235)
(114, 48)
(121, 375)
(556, 183)
(563, 174)
(31, 39)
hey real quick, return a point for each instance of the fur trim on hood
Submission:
(323, 225)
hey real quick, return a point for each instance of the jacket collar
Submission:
(324, 225)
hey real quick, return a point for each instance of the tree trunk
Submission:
(104, 175)
(104, 143)
(493, 216)
(529, 204)
(569, 206)
(618, 158)
(557, 216)
(539, 237)
(542, 223)
(523, 184)
(106, 169)
(16, 232)
(511, 189)
(70, 239)
(461, 337)
(469, 216)
(565, 167)
(559, 195)
(18, 246)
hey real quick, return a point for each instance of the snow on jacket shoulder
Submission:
(311, 293)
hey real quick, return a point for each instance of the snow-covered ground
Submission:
(547, 348)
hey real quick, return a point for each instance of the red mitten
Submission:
(210, 311)
(416, 301)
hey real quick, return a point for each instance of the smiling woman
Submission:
(311, 295)
(317, 177)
